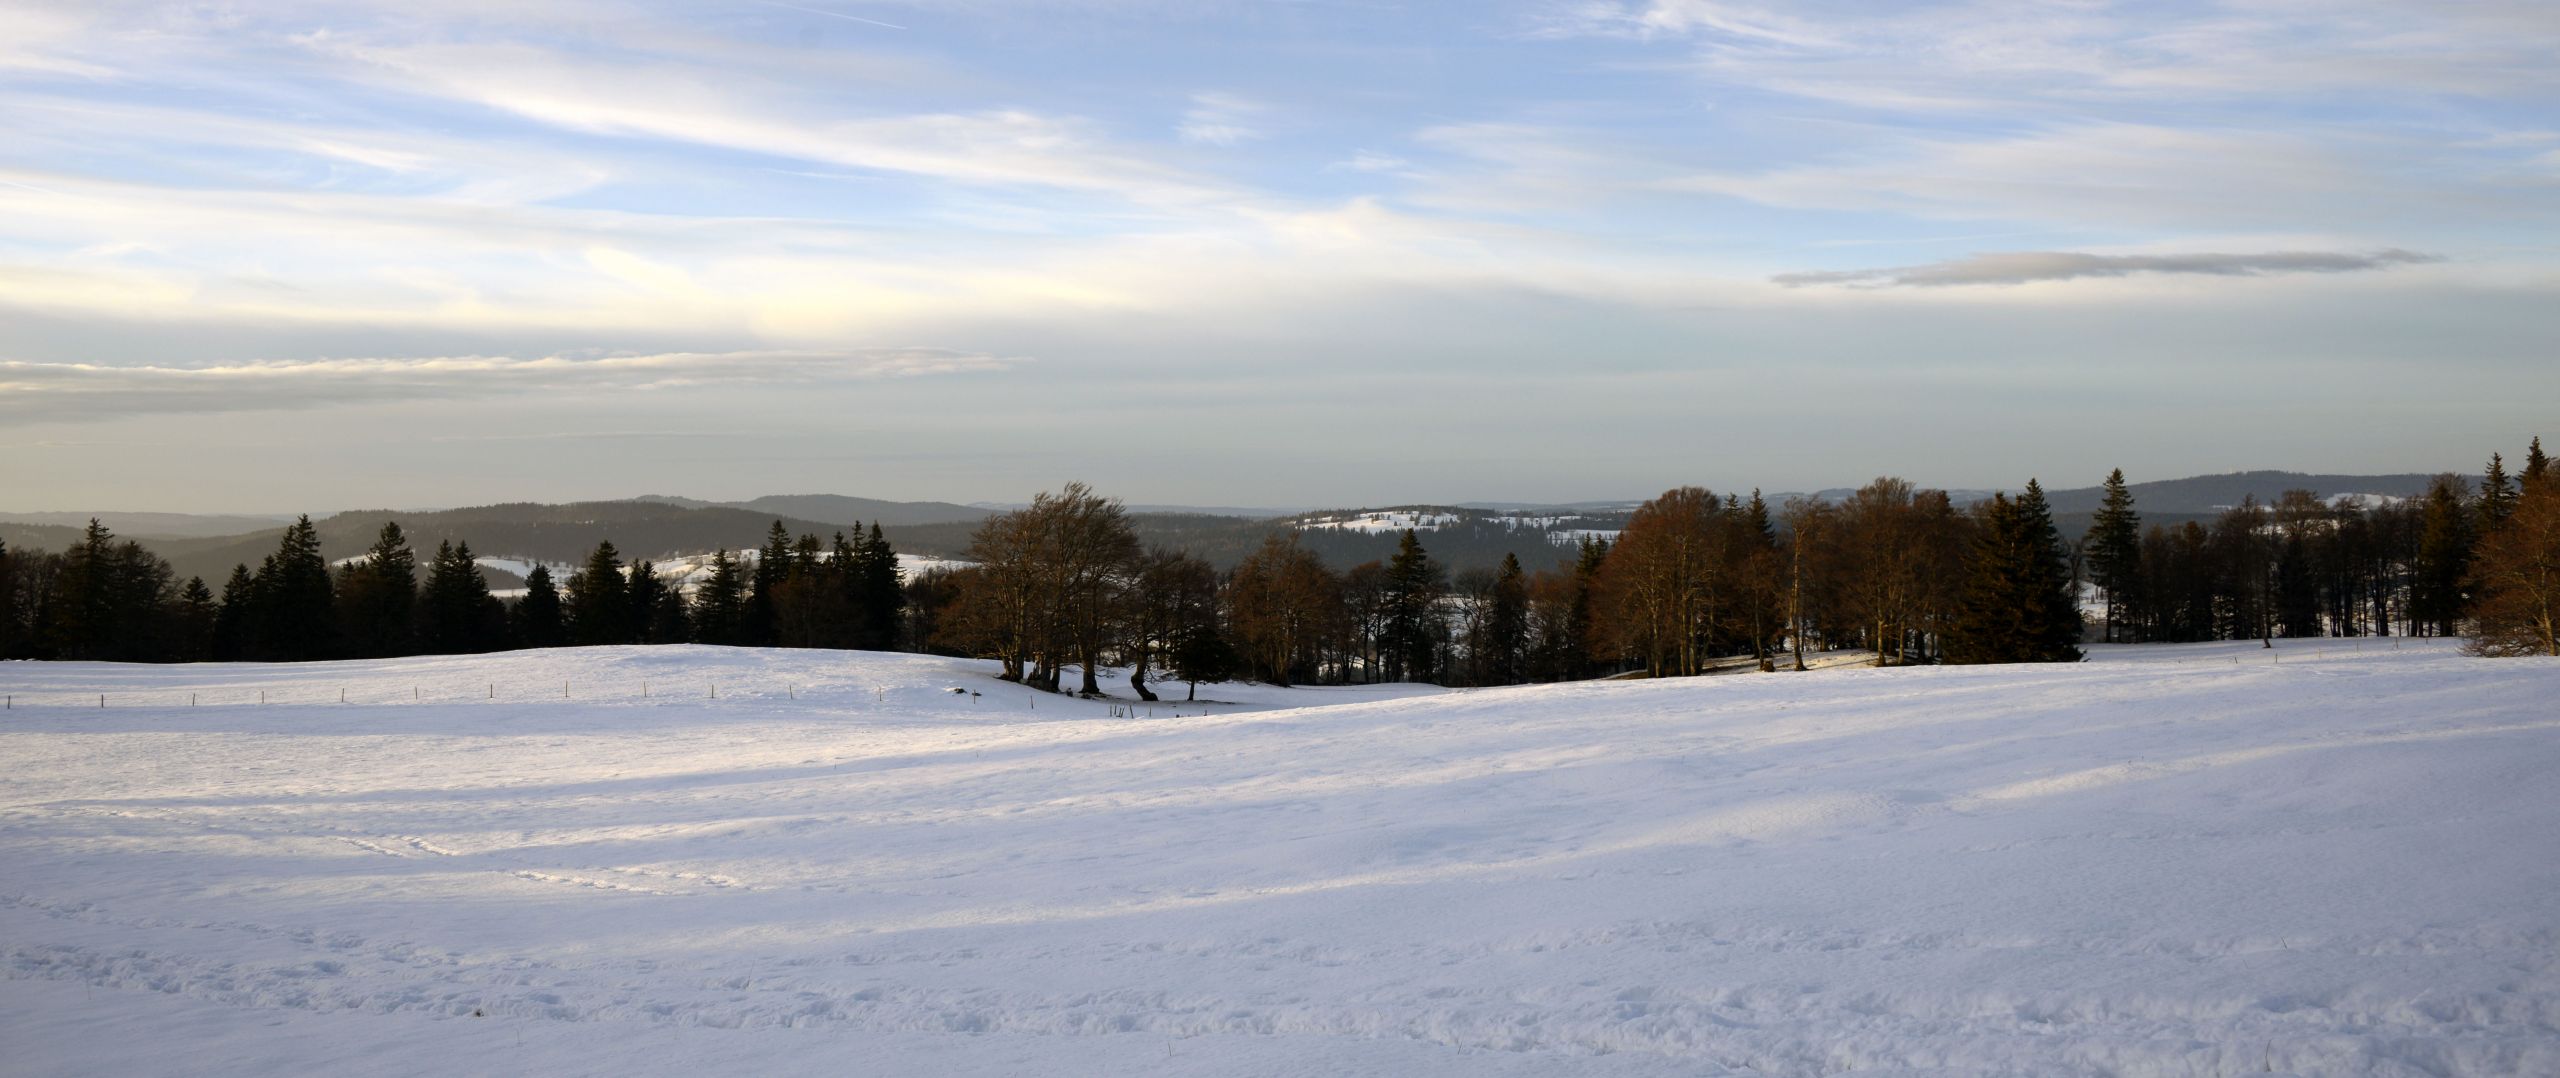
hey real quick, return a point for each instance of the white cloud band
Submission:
(2024, 267)
(60, 391)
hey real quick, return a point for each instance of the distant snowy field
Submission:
(2167, 861)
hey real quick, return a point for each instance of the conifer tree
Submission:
(81, 616)
(1580, 638)
(644, 590)
(2537, 468)
(1413, 628)
(192, 622)
(536, 619)
(233, 624)
(457, 615)
(378, 596)
(670, 620)
(1203, 656)
(2437, 601)
(1506, 626)
(2517, 577)
(296, 606)
(2017, 604)
(12, 625)
(882, 592)
(758, 617)
(719, 603)
(2115, 551)
(2497, 494)
(599, 600)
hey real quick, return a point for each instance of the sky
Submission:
(288, 256)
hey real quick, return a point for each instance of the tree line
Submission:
(109, 599)
(1694, 583)
(2469, 558)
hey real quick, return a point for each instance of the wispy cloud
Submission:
(59, 391)
(1216, 119)
(2024, 267)
(682, 102)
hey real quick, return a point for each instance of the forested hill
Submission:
(659, 526)
(839, 509)
(1461, 539)
(548, 533)
(2206, 494)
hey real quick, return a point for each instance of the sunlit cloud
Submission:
(2024, 267)
(55, 391)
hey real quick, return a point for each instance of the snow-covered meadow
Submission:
(2169, 860)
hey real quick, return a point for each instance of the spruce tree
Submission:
(536, 618)
(670, 621)
(2115, 551)
(81, 616)
(2437, 601)
(719, 603)
(1413, 627)
(883, 593)
(234, 623)
(2537, 468)
(378, 597)
(1203, 656)
(2057, 624)
(1506, 635)
(599, 601)
(12, 626)
(1580, 641)
(297, 607)
(645, 591)
(192, 622)
(2017, 604)
(758, 620)
(457, 614)
(2497, 494)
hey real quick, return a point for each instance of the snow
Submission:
(687, 571)
(2335, 858)
(1394, 521)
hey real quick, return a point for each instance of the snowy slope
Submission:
(2168, 861)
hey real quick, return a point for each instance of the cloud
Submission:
(70, 391)
(1219, 120)
(2023, 267)
(683, 102)
(1999, 57)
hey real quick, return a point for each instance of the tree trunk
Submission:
(1138, 679)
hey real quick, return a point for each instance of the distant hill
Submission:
(133, 525)
(1474, 536)
(838, 509)
(527, 531)
(2214, 493)
(27, 537)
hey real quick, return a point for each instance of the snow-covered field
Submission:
(2167, 861)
